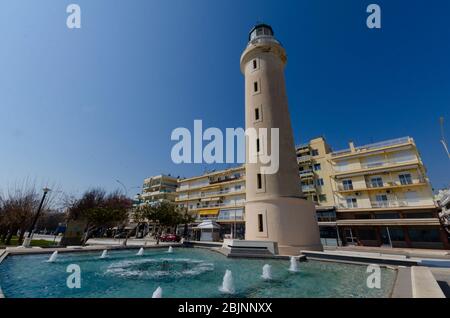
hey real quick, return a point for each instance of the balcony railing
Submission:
(218, 205)
(381, 144)
(208, 183)
(306, 173)
(308, 188)
(208, 194)
(388, 204)
(375, 185)
(304, 158)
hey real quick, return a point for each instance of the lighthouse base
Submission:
(291, 222)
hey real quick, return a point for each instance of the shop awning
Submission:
(208, 212)
(208, 225)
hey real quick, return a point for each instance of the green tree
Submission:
(99, 210)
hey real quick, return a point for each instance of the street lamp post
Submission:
(27, 241)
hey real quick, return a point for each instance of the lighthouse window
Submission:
(256, 113)
(255, 64)
(259, 180)
(257, 145)
(260, 223)
(255, 87)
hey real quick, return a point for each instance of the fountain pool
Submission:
(187, 272)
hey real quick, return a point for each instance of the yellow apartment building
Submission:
(381, 195)
(154, 190)
(218, 196)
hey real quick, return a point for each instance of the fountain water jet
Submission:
(227, 284)
(294, 265)
(267, 272)
(53, 257)
(140, 252)
(157, 293)
(170, 250)
(104, 254)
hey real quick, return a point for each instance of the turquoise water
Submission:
(187, 272)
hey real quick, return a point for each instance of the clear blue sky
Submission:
(81, 108)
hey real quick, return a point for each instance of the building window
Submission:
(319, 182)
(363, 216)
(260, 223)
(255, 87)
(405, 178)
(322, 197)
(259, 181)
(387, 216)
(418, 215)
(352, 203)
(237, 187)
(396, 234)
(376, 182)
(317, 166)
(315, 152)
(381, 200)
(347, 184)
(367, 234)
(424, 235)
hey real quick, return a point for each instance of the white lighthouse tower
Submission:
(275, 208)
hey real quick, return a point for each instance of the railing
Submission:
(208, 194)
(205, 184)
(304, 158)
(386, 143)
(306, 173)
(346, 188)
(306, 188)
(263, 39)
(388, 184)
(218, 205)
(302, 146)
(388, 204)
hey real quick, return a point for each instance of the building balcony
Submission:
(306, 174)
(218, 205)
(389, 204)
(304, 159)
(388, 222)
(308, 188)
(210, 184)
(205, 195)
(366, 169)
(373, 147)
(382, 186)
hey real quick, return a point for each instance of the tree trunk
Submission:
(9, 237)
(22, 234)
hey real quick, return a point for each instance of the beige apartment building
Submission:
(158, 188)
(154, 190)
(380, 194)
(217, 196)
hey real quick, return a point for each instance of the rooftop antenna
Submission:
(443, 141)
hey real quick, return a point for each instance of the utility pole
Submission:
(27, 241)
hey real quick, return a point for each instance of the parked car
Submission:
(170, 238)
